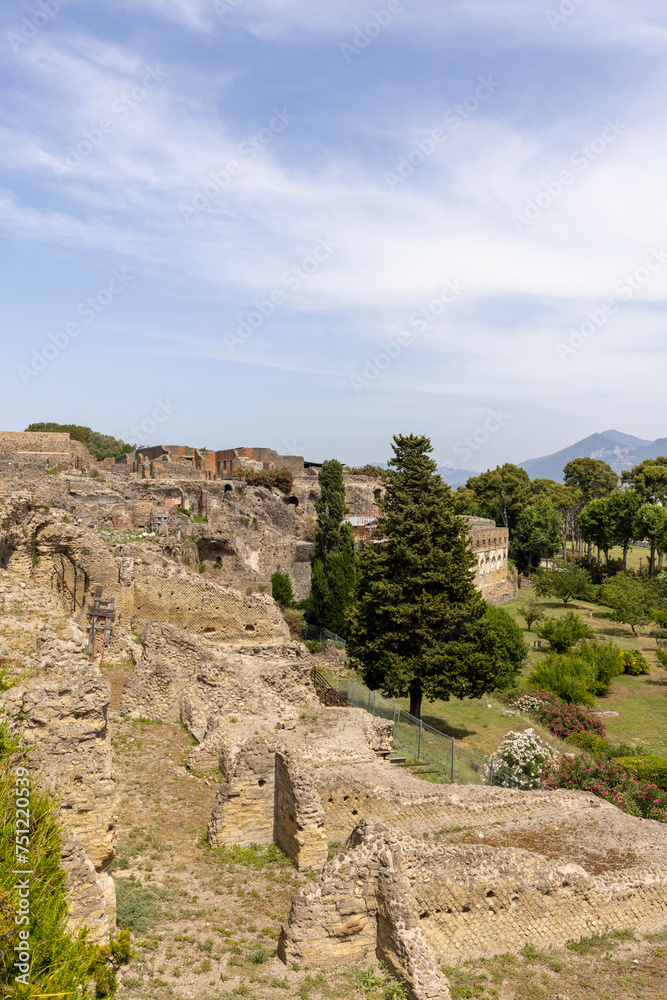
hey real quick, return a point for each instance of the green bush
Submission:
(570, 677)
(588, 741)
(314, 646)
(658, 633)
(659, 616)
(564, 632)
(296, 622)
(281, 589)
(606, 659)
(634, 663)
(662, 657)
(581, 674)
(652, 770)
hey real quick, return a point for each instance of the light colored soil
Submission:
(218, 908)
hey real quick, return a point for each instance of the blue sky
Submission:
(310, 226)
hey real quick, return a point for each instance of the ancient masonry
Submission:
(195, 507)
(62, 707)
(304, 776)
(186, 552)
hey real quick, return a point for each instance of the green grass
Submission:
(640, 701)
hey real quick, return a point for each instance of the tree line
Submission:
(593, 507)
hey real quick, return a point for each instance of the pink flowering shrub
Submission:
(554, 713)
(609, 781)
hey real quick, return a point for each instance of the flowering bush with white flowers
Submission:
(520, 760)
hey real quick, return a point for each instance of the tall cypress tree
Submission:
(417, 626)
(334, 562)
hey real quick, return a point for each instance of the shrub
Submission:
(658, 633)
(296, 622)
(605, 658)
(609, 781)
(634, 663)
(315, 646)
(596, 745)
(554, 713)
(649, 769)
(281, 588)
(365, 470)
(662, 657)
(564, 632)
(281, 479)
(624, 749)
(570, 677)
(520, 760)
(577, 677)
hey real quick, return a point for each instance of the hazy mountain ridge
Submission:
(620, 451)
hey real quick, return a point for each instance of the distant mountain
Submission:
(620, 451)
(455, 477)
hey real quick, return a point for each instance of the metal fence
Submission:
(453, 761)
(322, 634)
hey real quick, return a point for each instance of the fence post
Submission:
(491, 771)
(374, 697)
(370, 695)
(419, 747)
(453, 746)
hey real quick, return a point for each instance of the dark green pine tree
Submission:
(335, 561)
(417, 629)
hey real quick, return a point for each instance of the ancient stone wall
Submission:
(298, 816)
(243, 812)
(417, 904)
(58, 704)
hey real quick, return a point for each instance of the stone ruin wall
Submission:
(60, 709)
(416, 905)
(250, 530)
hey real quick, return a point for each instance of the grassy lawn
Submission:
(640, 701)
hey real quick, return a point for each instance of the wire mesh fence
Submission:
(452, 761)
(322, 634)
